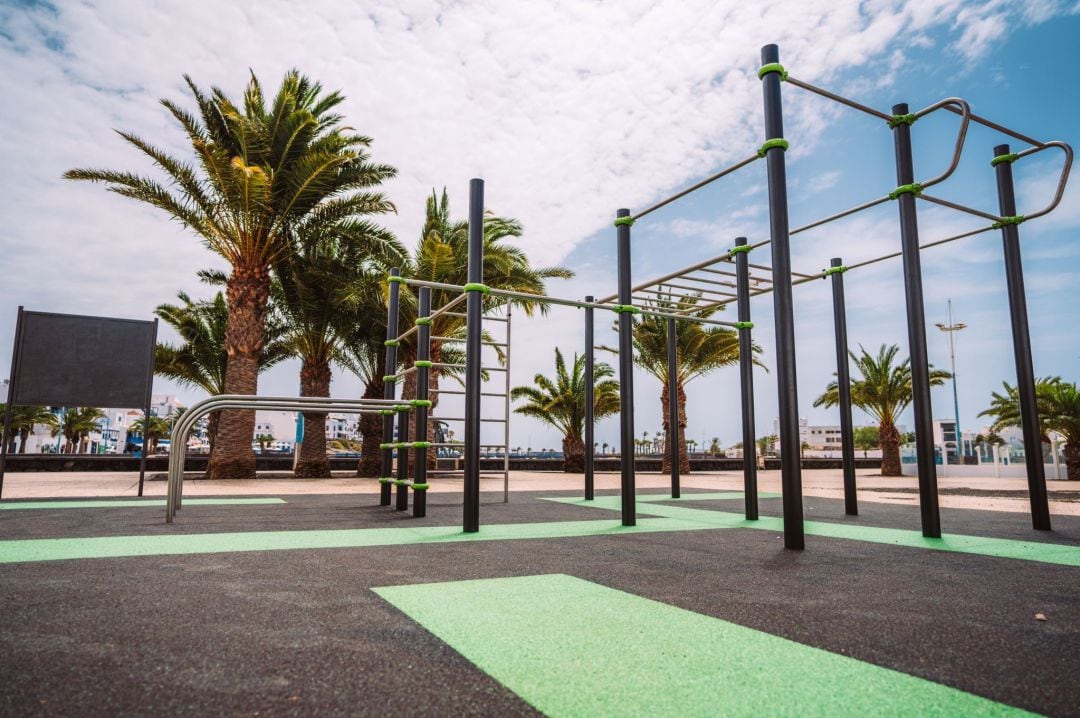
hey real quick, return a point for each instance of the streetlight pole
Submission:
(951, 328)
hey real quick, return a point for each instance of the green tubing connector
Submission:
(396, 279)
(421, 444)
(902, 120)
(390, 378)
(420, 402)
(385, 480)
(627, 221)
(387, 412)
(833, 270)
(914, 188)
(401, 482)
(386, 446)
(625, 309)
(422, 364)
(402, 407)
(1011, 157)
(477, 287)
(1006, 221)
(769, 144)
(391, 343)
(421, 487)
(744, 325)
(401, 445)
(423, 322)
(741, 249)
(772, 67)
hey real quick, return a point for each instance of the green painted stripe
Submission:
(126, 503)
(1062, 554)
(570, 647)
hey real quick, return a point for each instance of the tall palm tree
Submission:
(266, 175)
(883, 391)
(315, 285)
(560, 402)
(152, 431)
(23, 421)
(1058, 405)
(699, 350)
(76, 425)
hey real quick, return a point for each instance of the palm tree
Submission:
(315, 286)
(1058, 405)
(765, 443)
(157, 428)
(561, 403)
(265, 177)
(23, 421)
(865, 438)
(883, 392)
(201, 361)
(699, 349)
(76, 425)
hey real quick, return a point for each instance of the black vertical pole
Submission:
(474, 315)
(674, 436)
(423, 371)
(146, 413)
(1025, 371)
(783, 307)
(746, 376)
(843, 382)
(626, 370)
(6, 430)
(920, 373)
(389, 389)
(401, 496)
(590, 402)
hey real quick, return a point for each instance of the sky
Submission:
(570, 110)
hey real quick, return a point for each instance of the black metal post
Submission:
(746, 376)
(674, 436)
(401, 482)
(783, 306)
(423, 372)
(920, 374)
(386, 467)
(1025, 372)
(5, 431)
(590, 403)
(843, 382)
(626, 370)
(146, 413)
(474, 316)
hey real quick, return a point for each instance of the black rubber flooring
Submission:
(300, 633)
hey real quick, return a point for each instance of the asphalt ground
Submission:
(300, 632)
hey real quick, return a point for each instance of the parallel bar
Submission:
(423, 353)
(746, 385)
(401, 495)
(1025, 372)
(506, 412)
(626, 374)
(843, 383)
(473, 358)
(790, 460)
(839, 215)
(590, 402)
(678, 273)
(916, 322)
(995, 126)
(674, 434)
(461, 393)
(393, 313)
(712, 178)
(837, 98)
(462, 341)
(960, 207)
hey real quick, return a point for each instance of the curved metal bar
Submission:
(1062, 181)
(240, 401)
(961, 135)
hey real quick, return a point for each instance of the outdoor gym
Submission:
(507, 592)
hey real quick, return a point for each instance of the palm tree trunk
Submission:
(889, 438)
(684, 457)
(23, 436)
(247, 292)
(573, 454)
(314, 381)
(212, 424)
(371, 433)
(1072, 460)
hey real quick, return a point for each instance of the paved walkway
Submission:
(984, 493)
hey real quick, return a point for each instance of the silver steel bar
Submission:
(462, 418)
(460, 392)
(753, 278)
(710, 281)
(699, 185)
(673, 300)
(702, 289)
(837, 98)
(678, 273)
(965, 119)
(1000, 128)
(1064, 179)
(840, 215)
(959, 207)
(462, 366)
(452, 303)
(506, 414)
(485, 343)
(927, 245)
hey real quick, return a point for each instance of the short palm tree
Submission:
(23, 421)
(265, 176)
(883, 391)
(201, 360)
(76, 426)
(152, 429)
(560, 402)
(699, 350)
(1058, 406)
